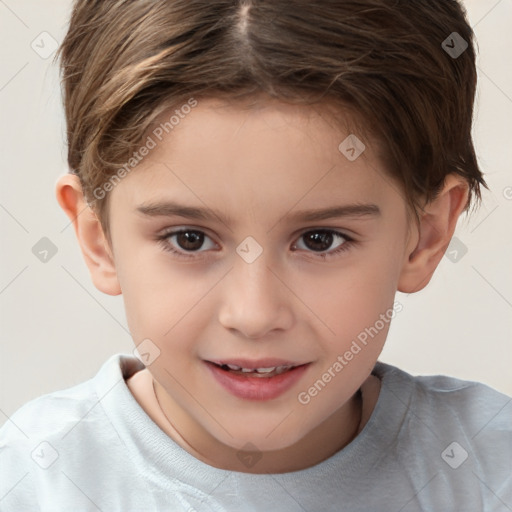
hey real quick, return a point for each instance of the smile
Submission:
(256, 383)
(256, 372)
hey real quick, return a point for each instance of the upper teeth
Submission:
(279, 369)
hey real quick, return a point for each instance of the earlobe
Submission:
(437, 225)
(95, 248)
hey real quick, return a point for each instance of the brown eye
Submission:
(190, 240)
(316, 241)
(185, 242)
(321, 240)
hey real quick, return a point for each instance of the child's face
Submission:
(223, 300)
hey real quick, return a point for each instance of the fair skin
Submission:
(258, 167)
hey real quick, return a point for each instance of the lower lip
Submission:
(257, 388)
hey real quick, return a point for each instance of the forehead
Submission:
(256, 155)
(263, 114)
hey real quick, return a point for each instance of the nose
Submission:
(255, 299)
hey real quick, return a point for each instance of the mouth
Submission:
(261, 368)
(257, 380)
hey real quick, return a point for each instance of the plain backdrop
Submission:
(57, 329)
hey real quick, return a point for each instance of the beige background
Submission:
(57, 329)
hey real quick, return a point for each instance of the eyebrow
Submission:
(173, 209)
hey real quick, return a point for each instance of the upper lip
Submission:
(252, 364)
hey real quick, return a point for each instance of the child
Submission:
(258, 179)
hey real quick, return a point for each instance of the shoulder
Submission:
(30, 442)
(438, 385)
(471, 401)
(52, 432)
(47, 417)
(55, 414)
(52, 414)
(449, 414)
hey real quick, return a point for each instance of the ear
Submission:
(93, 243)
(438, 221)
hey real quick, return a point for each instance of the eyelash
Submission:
(346, 246)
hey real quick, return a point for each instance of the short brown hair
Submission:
(124, 62)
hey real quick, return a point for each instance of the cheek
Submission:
(360, 317)
(355, 297)
(152, 299)
(164, 302)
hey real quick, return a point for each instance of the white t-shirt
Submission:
(432, 443)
